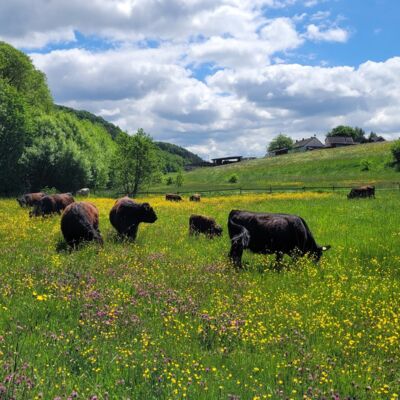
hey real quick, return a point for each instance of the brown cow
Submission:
(30, 199)
(52, 204)
(173, 197)
(126, 215)
(195, 197)
(201, 224)
(80, 222)
(362, 191)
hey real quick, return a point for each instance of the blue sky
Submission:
(217, 76)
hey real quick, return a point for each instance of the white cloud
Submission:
(314, 32)
(252, 92)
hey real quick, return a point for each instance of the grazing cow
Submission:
(52, 204)
(83, 192)
(270, 234)
(30, 199)
(195, 197)
(80, 222)
(126, 215)
(201, 224)
(362, 191)
(173, 197)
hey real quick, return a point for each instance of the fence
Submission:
(269, 189)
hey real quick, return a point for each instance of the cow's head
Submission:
(217, 231)
(320, 250)
(149, 214)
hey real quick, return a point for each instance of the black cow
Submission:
(30, 199)
(173, 197)
(51, 204)
(362, 191)
(267, 233)
(195, 197)
(201, 224)
(80, 222)
(126, 215)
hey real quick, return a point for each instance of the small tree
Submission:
(179, 179)
(233, 179)
(169, 181)
(135, 161)
(395, 149)
(280, 142)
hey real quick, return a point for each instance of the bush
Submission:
(396, 151)
(233, 179)
(365, 165)
(169, 181)
(49, 190)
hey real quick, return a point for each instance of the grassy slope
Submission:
(325, 167)
(168, 318)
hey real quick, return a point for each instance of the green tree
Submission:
(233, 179)
(14, 128)
(356, 133)
(280, 142)
(395, 149)
(135, 161)
(179, 179)
(17, 70)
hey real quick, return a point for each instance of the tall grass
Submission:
(168, 317)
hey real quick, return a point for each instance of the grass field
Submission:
(168, 317)
(340, 167)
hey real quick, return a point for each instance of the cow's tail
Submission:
(240, 239)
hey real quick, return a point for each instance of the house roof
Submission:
(312, 141)
(226, 158)
(339, 140)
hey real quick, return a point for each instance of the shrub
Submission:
(233, 179)
(169, 181)
(365, 165)
(396, 151)
(49, 190)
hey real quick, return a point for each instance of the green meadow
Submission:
(341, 167)
(168, 317)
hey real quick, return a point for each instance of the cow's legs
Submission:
(278, 261)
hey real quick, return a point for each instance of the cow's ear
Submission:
(327, 247)
(146, 206)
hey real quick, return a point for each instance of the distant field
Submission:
(340, 167)
(169, 318)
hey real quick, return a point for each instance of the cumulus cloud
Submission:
(314, 32)
(249, 93)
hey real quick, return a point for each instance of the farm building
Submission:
(278, 152)
(226, 160)
(312, 143)
(339, 141)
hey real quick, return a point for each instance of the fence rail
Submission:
(268, 189)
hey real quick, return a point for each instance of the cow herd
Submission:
(262, 233)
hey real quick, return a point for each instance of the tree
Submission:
(17, 70)
(135, 161)
(395, 149)
(356, 133)
(179, 179)
(14, 127)
(280, 142)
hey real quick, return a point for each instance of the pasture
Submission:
(167, 317)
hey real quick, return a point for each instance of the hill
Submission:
(340, 167)
(172, 157)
